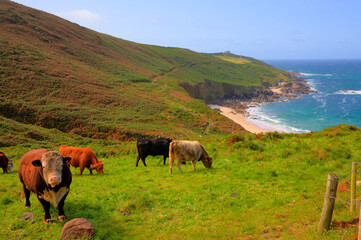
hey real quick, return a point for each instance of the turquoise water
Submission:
(330, 106)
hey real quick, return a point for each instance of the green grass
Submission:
(234, 60)
(62, 84)
(260, 186)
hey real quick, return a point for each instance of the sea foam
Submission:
(262, 120)
(349, 92)
(317, 74)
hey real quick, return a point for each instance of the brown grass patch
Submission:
(181, 95)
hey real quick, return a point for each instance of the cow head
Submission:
(10, 165)
(52, 164)
(98, 167)
(207, 161)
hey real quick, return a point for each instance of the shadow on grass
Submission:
(103, 221)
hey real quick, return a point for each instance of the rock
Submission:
(77, 228)
(27, 216)
(125, 212)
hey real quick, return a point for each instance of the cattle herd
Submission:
(47, 172)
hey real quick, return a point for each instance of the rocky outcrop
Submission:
(211, 91)
(297, 85)
(214, 92)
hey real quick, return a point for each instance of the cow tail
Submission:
(171, 155)
(138, 147)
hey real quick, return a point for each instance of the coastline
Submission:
(241, 119)
(236, 107)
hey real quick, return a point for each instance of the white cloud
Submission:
(82, 15)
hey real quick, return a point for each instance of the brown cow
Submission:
(188, 151)
(5, 163)
(45, 173)
(82, 158)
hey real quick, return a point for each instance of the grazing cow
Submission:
(45, 173)
(6, 164)
(153, 147)
(188, 151)
(82, 158)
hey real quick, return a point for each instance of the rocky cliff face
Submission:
(213, 92)
(297, 85)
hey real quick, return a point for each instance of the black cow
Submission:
(153, 147)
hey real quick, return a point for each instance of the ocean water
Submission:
(338, 100)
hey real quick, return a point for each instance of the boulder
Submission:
(77, 228)
(27, 216)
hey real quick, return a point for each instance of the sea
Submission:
(337, 101)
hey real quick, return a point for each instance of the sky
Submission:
(263, 29)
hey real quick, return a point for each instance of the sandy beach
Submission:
(242, 120)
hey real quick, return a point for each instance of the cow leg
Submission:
(194, 165)
(46, 206)
(138, 157)
(61, 209)
(179, 165)
(164, 158)
(171, 160)
(81, 170)
(27, 196)
(143, 159)
(91, 172)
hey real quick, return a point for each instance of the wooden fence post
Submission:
(359, 226)
(328, 203)
(353, 186)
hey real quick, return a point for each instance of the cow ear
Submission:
(36, 163)
(66, 159)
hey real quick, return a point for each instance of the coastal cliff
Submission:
(236, 96)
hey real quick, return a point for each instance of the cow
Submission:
(45, 173)
(152, 147)
(193, 151)
(5, 163)
(82, 158)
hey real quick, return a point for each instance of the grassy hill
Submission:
(62, 84)
(265, 186)
(57, 74)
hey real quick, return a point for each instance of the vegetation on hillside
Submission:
(57, 74)
(62, 84)
(261, 186)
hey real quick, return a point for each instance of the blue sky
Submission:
(264, 29)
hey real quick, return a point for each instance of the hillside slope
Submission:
(57, 74)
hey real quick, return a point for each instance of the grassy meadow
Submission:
(63, 84)
(262, 186)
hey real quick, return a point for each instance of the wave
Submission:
(260, 119)
(317, 74)
(349, 92)
(312, 84)
(320, 98)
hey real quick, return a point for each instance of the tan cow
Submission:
(193, 151)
